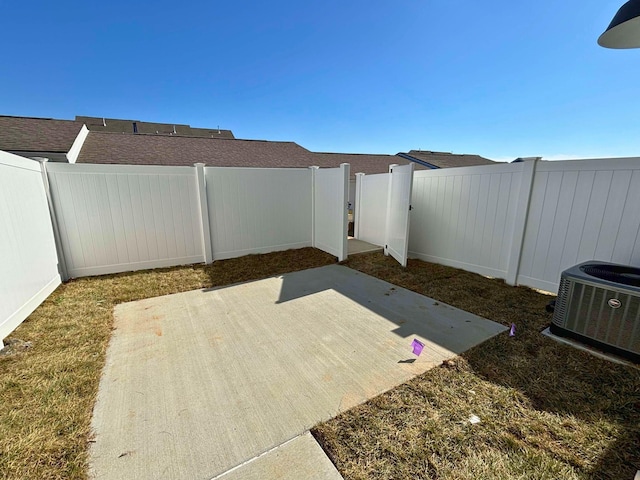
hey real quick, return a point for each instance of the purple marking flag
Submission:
(417, 347)
(512, 332)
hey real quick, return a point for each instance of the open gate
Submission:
(383, 202)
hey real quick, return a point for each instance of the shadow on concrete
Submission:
(414, 314)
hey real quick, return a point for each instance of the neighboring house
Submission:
(118, 141)
(38, 137)
(62, 140)
(166, 149)
(445, 160)
(108, 140)
(151, 149)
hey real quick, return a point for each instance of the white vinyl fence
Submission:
(258, 210)
(524, 222)
(398, 209)
(371, 198)
(465, 217)
(330, 216)
(580, 210)
(29, 261)
(116, 218)
(527, 222)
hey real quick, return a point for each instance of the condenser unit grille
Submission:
(594, 308)
(562, 300)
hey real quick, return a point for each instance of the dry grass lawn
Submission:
(546, 410)
(48, 389)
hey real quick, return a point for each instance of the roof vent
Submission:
(135, 127)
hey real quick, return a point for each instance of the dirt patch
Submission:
(14, 346)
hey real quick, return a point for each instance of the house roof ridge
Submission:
(361, 154)
(145, 134)
(39, 118)
(446, 153)
(142, 134)
(434, 151)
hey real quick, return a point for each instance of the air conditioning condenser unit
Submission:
(599, 304)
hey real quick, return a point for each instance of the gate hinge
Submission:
(410, 207)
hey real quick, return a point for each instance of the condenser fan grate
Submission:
(614, 273)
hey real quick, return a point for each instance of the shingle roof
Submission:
(37, 134)
(116, 125)
(449, 160)
(141, 149)
(151, 149)
(363, 162)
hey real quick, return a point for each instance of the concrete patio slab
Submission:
(299, 458)
(200, 382)
(355, 246)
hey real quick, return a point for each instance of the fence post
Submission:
(356, 210)
(387, 220)
(345, 168)
(54, 221)
(522, 216)
(313, 169)
(204, 213)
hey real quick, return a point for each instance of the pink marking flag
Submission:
(417, 347)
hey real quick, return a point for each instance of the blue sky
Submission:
(499, 78)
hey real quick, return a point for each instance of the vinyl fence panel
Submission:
(398, 206)
(330, 191)
(29, 261)
(371, 207)
(464, 217)
(115, 218)
(580, 210)
(258, 210)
